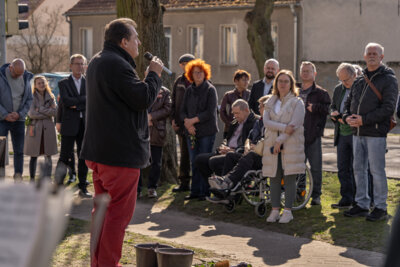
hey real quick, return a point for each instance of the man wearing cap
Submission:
(181, 83)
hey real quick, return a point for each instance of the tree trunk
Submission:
(259, 32)
(148, 15)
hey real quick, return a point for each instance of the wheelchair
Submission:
(255, 190)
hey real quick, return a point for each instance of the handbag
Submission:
(393, 121)
(259, 148)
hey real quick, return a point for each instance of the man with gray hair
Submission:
(343, 139)
(368, 110)
(238, 132)
(15, 101)
(264, 86)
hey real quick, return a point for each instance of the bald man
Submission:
(15, 101)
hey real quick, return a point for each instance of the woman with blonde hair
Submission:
(283, 156)
(199, 113)
(41, 134)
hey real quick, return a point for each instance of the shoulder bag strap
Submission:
(372, 86)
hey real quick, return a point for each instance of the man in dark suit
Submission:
(73, 99)
(263, 87)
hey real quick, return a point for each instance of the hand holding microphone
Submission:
(156, 64)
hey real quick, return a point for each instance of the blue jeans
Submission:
(17, 130)
(345, 168)
(370, 150)
(202, 145)
(314, 156)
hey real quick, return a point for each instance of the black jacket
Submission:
(257, 132)
(159, 112)
(335, 106)
(363, 101)
(247, 127)
(314, 122)
(201, 102)
(69, 97)
(257, 91)
(117, 131)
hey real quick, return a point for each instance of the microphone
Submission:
(149, 57)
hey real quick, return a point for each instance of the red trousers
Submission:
(120, 183)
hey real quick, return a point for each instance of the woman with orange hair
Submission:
(199, 112)
(41, 133)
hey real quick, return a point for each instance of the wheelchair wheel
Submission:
(230, 207)
(260, 210)
(304, 187)
(254, 187)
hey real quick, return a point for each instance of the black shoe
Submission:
(316, 201)
(377, 215)
(356, 211)
(181, 188)
(191, 197)
(340, 206)
(84, 193)
(72, 179)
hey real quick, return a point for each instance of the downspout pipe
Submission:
(68, 20)
(294, 40)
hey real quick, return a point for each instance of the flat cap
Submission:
(186, 58)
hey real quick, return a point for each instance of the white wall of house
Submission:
(338, 30)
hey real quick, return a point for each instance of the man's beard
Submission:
(270, 76)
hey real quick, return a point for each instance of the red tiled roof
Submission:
(109, 6)
(93, 6)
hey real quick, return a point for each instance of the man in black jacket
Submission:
(237, 134)
(116, 141)
(178, 92)
(343, 139)
(369, 114)
(316, 101)
(73, 99)
(264, 86)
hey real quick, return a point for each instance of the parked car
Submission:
(53, 79)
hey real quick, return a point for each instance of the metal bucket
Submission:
(173, 257)
(145, 254)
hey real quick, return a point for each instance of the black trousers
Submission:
(208, 163)
(67, 155)
(184, 165)
(250, 161)
(155, 168)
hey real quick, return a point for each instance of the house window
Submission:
(196, 36)
(167, 33)
(229, 44)
(274, 35)
(86, 41)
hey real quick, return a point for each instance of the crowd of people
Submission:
(119, 122)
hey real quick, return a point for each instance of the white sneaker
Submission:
(273, 216)
(151, 193)
(286, 217)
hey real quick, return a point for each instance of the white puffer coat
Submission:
(291, 113)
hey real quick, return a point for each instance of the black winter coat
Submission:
(201, 102)
(117, 131)
(247, 127)
(159, 112)
(314, 122)
(363, 101)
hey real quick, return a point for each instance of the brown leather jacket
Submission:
(159, 112)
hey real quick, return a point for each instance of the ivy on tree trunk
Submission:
(259, 33)
(148, 15)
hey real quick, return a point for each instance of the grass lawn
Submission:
(314, 222)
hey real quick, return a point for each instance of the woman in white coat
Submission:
(283, 156)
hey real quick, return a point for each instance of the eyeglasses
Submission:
(79, 64)
(284, 81)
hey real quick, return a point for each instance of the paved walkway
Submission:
(258, 247)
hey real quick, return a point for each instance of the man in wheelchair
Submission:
(239, 129)
(249, 160)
